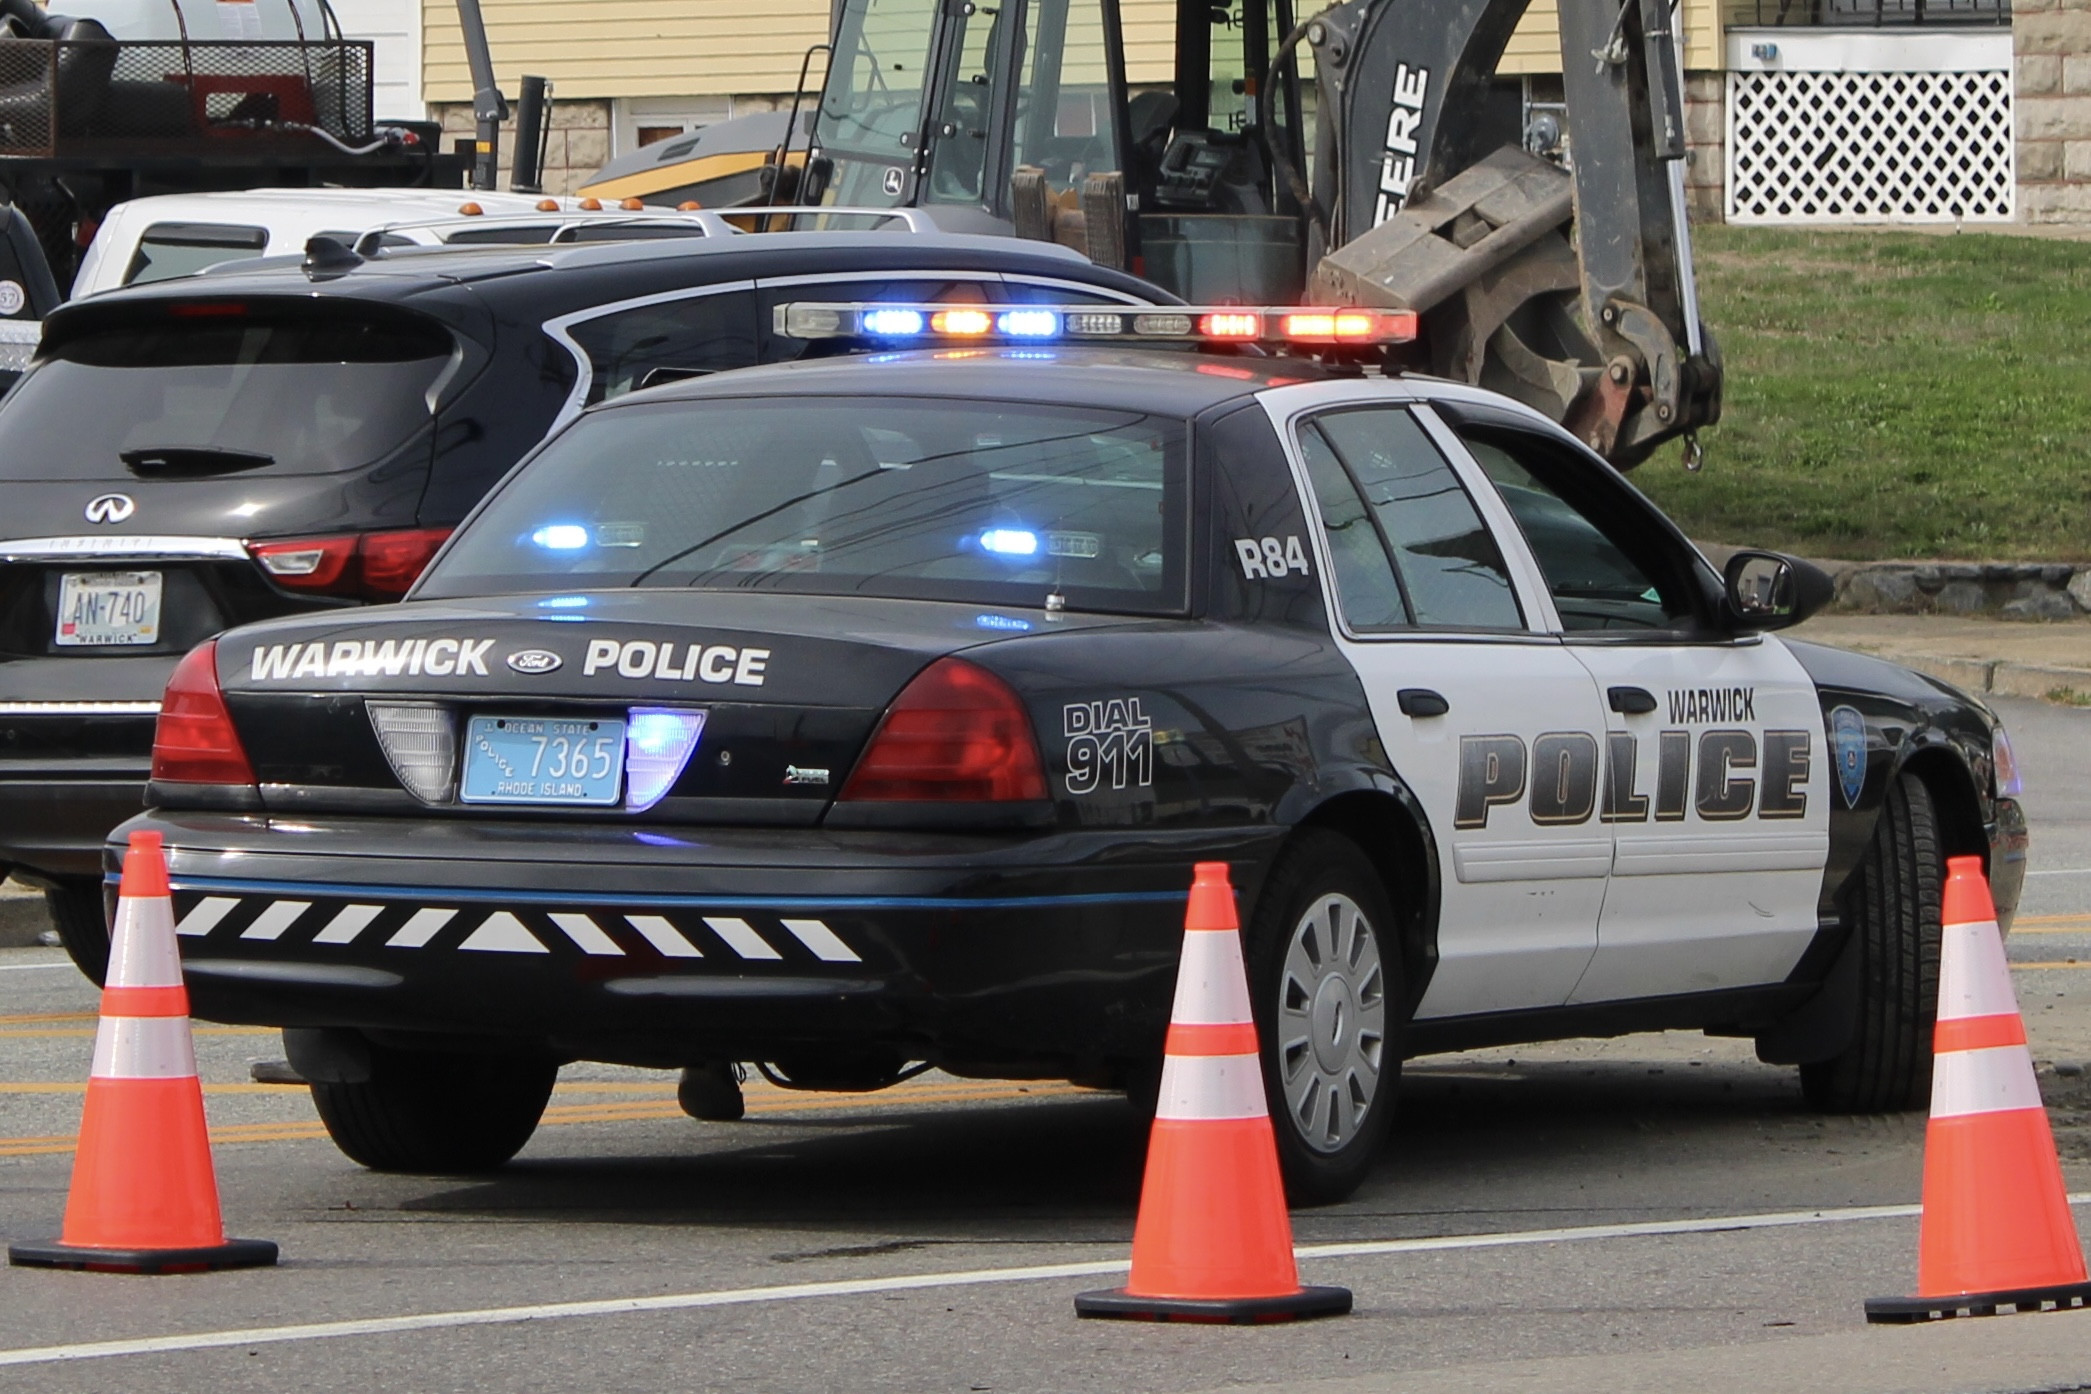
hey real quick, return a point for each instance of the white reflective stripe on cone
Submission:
(142, 951)
(1974, 979)
(1212, 988)
(1997, 1080)
(144, 1047)
(1202, 1088)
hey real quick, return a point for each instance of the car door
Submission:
(1716, 786)
(1492, 725)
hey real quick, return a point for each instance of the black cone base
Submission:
(2065, 1298)
(233, 1253)
(1229, 1311)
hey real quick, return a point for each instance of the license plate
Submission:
(542, 760)
(108, 607)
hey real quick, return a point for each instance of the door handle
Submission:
(1421, 701)
(1631, 701)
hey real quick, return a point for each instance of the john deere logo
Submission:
(110, 508)
(534, 660)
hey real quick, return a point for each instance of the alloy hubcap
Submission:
(1332, 1022)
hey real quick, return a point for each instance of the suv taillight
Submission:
(357, 565)
(194, 742)
(955, 734)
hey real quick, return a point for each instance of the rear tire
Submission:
(83, 926)
(1325, 983)
(1895, 913)
(436, 1114)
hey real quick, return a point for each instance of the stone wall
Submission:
(578, 147)
(2012, 590)
(2051, 42)
(1706, 147)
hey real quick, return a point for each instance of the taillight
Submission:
(358, 566)
(954, 734)
(195, 742)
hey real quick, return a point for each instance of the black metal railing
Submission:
(66, 97)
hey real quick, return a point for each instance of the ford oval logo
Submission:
(534, 660)
(111, 508)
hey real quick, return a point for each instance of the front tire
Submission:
(1895, 922)
(436, 1114)
(82, 922)
(1325, 982)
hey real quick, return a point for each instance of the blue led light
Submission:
(892, 324)
(1009, 623)
(563, 602)
(1009, 542)
(657, 744)
(561, 537)
(1029, 355)
(1029, 324)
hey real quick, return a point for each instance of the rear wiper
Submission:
(193, 459)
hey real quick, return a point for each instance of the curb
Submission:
(1999, 677)
(23, 918)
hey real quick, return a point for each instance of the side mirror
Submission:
(1766, 590)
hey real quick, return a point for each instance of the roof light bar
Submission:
(894, 325)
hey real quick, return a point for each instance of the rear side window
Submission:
(168, 250)
(914, 498)
(228, 386)
(651, 344)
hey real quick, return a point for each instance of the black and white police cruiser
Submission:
(872, 710)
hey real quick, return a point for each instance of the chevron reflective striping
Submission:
(503, 933)
(664, 936)
(204, 915)
(423, 927)
(818, 937)
(280, 916)
(742, 938)
(587, 935)
(344, 927)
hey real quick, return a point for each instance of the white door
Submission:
(1492, 726)
(1716, 783)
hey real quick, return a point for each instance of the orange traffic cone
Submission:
(1997, 1233)
(144, 1198)
(1213, 1242)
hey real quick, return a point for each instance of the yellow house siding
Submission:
(1536, 46)
(628, 48)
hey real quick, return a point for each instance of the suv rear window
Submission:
(313, 393)
(914, 498)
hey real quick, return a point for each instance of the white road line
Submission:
(32, 967)
(2063, 871)
(909, 1282)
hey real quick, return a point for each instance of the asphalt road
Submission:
(896, 1241)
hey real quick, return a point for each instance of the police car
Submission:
(873, 710)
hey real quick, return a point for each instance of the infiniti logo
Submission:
(110, 508)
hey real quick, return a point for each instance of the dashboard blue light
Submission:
(561, 537)
(1009, 542)
(1029, 324)
(657, 744)
(892, 323)
(1009, 623)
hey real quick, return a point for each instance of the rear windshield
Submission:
(312, 394)
(917, 498)
(168, 250)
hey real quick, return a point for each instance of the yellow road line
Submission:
(2053, 963)
(2053, 919)
(567, 1115)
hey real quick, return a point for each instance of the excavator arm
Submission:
(1425, 205)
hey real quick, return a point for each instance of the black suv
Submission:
(298, 435)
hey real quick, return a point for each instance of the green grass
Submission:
(1893, 395)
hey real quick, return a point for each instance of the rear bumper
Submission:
(1033, 953)
(55, 827)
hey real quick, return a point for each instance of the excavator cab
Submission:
(1368, 156)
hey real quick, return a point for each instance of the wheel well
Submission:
(1398, 848)
(1954, 803)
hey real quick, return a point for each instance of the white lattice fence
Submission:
(1850, 147)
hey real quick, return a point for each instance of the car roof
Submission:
(264, 205)
(558, 278)
(1178, 381)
